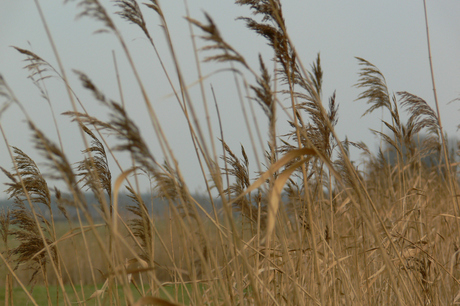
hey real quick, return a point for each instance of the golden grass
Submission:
(311, 228)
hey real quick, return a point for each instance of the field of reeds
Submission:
(307, 228)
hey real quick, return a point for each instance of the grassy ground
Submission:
(40, 296)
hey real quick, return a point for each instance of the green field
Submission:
(40, 295)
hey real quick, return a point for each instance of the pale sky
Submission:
(390, 34)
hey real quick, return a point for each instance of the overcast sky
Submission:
(390, 34)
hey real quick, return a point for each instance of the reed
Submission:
(307, 228)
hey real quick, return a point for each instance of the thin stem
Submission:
(452, 185)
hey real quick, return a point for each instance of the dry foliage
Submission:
(308, 230)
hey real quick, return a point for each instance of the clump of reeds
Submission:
(310, 228)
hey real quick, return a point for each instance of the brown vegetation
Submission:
(311, 229)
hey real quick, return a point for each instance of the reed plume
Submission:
(28, 186)
(95, 171)
(213, 36)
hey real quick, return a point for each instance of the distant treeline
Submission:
(156, 205)
(423, 148)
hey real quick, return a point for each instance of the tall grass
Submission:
(309, 228)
